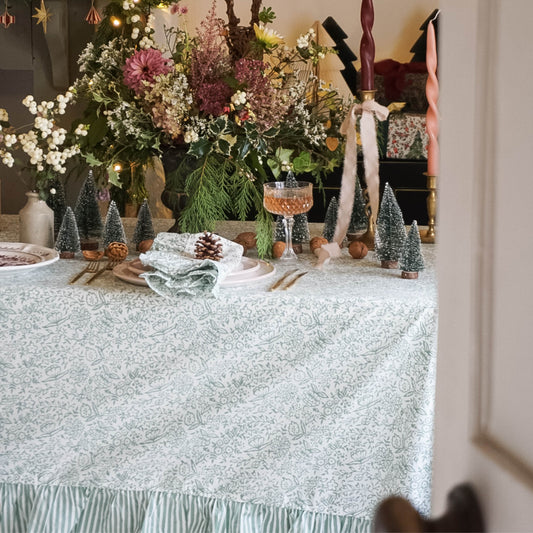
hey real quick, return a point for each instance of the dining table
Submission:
(251, 411)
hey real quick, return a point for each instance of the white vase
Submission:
(36, 222)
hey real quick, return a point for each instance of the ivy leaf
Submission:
(97, 131)
(91, 160)
(303, 163)
(275, 167)
(284, 154)
(114, 177)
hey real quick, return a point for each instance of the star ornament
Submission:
(42, 15)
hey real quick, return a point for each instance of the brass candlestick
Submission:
(368, 95)
(429, 235)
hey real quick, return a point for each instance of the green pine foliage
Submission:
(144, 228)
(330, 220)
(113, 228)
(358, 220)
(390, 229)
(56, 202)
(87, 211)
(412, 260)
(68, 239)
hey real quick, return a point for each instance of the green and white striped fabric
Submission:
(45, 509)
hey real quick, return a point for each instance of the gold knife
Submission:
(282, 279)
(294, 280)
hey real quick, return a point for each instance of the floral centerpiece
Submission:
(42, 148)
(237, 103)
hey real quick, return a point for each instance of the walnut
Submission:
(144, 246)
(93, 255)
(117, 251)
(249, 238)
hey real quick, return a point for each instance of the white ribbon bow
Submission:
(368, 109)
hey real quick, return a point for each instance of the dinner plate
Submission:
(20, 256)
(253, 270)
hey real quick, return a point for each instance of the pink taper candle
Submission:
(368, 49)
(432, 94)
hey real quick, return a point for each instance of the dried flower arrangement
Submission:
(240, 105)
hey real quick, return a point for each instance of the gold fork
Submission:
(110, 266)
(89, 269)
(282, 279)
(294, 280)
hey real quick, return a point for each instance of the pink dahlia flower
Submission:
(144, 65)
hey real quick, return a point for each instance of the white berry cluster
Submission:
(45, 143)
(147, 42)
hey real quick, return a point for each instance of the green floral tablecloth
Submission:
(253, 412)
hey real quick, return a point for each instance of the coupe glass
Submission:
(294, 199)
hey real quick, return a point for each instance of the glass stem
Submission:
(288, 223)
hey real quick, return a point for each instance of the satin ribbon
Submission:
(368, 109)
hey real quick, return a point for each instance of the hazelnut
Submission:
(278, 248)
(317, 242)
(358, 249)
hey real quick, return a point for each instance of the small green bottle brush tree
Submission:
(68, 239)
(390, 230)
(412, 262)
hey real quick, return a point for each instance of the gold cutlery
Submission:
(89, 269)
(294, 280)
(282, 279)
(110, 266)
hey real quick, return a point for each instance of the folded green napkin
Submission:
(177, 272)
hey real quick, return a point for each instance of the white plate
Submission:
(19, 256)
(254, 270)
(246, 265)
(122, 271)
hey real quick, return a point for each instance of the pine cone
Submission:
(208, 247)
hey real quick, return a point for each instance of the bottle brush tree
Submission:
(358, 220)
(113, 228)
(330, 220)
(144, 229)
(390, 230)
(68, 239)
(412, 261)
(87, 211)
